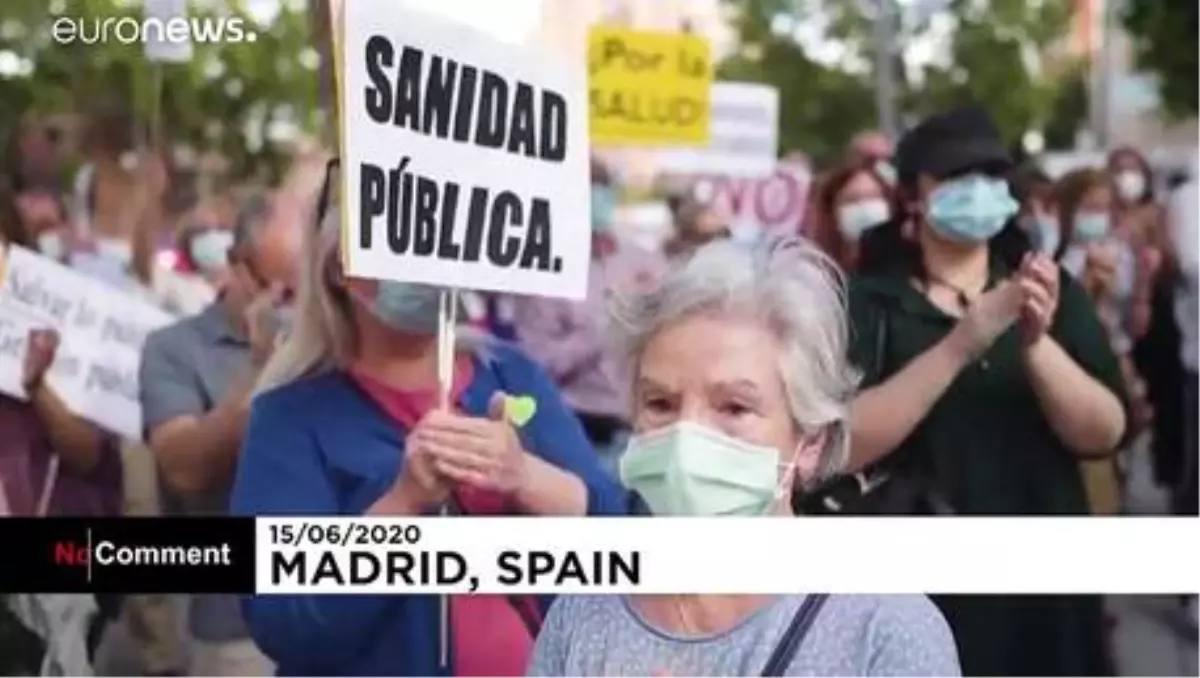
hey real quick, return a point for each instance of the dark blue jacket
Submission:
(320, 446)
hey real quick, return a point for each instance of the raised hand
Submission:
(39, 355)
(1038, 279)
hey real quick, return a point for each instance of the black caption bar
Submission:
(127, 555)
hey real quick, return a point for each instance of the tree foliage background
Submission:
(1165, 43)
(995, 51)
(234, 98)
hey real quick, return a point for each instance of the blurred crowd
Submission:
(954, 334)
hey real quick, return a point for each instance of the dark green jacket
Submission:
(987, 449)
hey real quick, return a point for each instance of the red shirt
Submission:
(490, 636)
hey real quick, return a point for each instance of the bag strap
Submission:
(881, 345)
(793, 635)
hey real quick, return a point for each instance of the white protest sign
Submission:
(465, 160)
(758, 206)
(101, 331)
(167, 31)
(744, 131)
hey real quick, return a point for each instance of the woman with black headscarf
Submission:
(987, 377)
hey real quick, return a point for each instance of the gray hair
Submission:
(797, 291)
(251, 218)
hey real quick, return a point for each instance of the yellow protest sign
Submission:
(648, 88)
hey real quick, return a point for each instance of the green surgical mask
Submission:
(691, 470)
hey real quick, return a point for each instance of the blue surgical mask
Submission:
(972, 209)
(604, 203)
(210, 250)
(1046, 234)
(407, 307)
(1090, 227)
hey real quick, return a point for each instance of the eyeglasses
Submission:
(328, 185)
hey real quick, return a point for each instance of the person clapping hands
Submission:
(1038, 282)
(987, 376)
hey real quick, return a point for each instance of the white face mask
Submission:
(51, 245)
(887, 171)
(855, 218)
(115, 249)
(210, 250)
(1131, 185)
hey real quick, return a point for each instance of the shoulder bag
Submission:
(882, 488)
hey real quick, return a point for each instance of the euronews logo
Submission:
(129, 30)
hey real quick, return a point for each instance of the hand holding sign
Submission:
(42, 347)
(419, 484)
(482, 453)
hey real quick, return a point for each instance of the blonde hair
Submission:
(322, 336)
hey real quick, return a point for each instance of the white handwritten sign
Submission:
(102, 331)
(465, 158)
(756, 207)
(743, 138)
(168, 35)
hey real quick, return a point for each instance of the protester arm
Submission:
(145, 245)
(1077, 378)
(149, 209)
(888, 408)
(196, 449)
(281, 473)
(908, 636)
(549, 331)
(80, 444)
(564, 474)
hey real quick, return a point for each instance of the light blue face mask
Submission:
(1090, 227)
(407, 307)
(688, 469)
(210, 250)
(1046, 234)
(604, 204)
(285, 318)
(972, 209)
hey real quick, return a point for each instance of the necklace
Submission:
(961, 296)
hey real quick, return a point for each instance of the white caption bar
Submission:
(728, 555)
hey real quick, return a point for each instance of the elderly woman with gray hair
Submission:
(741, 395)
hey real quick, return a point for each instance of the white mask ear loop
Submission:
(781, 488)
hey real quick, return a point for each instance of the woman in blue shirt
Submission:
(346, 423)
